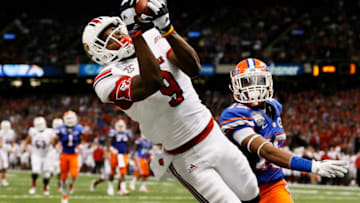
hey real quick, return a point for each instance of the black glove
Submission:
(134, 24)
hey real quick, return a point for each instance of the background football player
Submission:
(118, 141)
(254, 124)
(7, 137)
(141, 151)
(40, 138)
(70, 136)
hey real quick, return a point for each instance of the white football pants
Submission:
(215, 170)
(4, 159)
(40, 164)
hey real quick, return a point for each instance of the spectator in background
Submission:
(98, 157)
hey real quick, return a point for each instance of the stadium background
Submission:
(313, 51)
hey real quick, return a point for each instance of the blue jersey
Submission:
(70, 138)
(120, 140)
(239, 116)
(143, 150)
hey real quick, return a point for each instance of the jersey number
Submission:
(70, 141)
(172, 89)
(40, 144)
(120, 138)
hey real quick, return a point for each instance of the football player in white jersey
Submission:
(7, 137)
(40, 138)
(148, 75)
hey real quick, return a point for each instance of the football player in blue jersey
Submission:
(141, 155)
(253, 123)
(69, 135)
(118, 140)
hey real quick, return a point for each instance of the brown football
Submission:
(142, 8)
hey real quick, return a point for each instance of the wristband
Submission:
(261, 146)
(300, 164)
(251, 140)
(135, 33)
(169, 32)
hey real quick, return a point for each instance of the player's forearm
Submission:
(285, 159)
(257, 144)
(149, 68)
(276, 156)
(186, 57)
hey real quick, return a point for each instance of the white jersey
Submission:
(171, 116)
(40, 141)
(7, 137)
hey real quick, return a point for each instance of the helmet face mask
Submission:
(70, 118)
(57, 122)
(40, 123)
(251, 82)
(96, 46)
(5, 125)
(120, 126)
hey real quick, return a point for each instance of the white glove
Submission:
(161, 17)
(329, 168)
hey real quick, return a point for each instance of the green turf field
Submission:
(169, 191)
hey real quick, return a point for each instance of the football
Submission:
(142, 8)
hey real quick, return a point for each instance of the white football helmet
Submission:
(39, 123)
(57, 122)
(5, 125)
(70, 119)
(251, 82)
(120, 125)
(95, 47)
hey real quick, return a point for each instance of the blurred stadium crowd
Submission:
(219, 34)
(322, 119)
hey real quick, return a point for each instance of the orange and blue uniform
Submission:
(119, 142)
(70, 138)
(270, 177)
(143, 155)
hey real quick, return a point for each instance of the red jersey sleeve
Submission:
(122, 94)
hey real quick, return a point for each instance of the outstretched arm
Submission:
(183, 55)
(331, 169)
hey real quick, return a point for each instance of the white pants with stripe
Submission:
(215, 170)
(4, 159)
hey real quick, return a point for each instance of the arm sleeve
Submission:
(115, 89)
(240, 135)
(232, 120)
